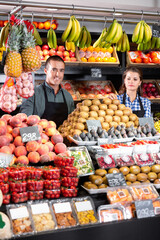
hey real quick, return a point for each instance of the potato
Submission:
(87, 102)
(133, 117)
(126, 112)
(94, 108)
(118, 113)
(113, 107)
(105, 125)
(101, 113)
(124, 118)
(84, 109)
(93, 114)
(108, 118)
(84, 115)
(96, 102)
(121, 107)
(113, 124)
(110, 112)
(79, 126)
(115, 101)
(102, 106)
(130, 123)
(116, 119)
(101, 119)
(107, 101)
(81, 120)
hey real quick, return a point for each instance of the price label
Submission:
(83, 206)
(40, 208)
(148, 120)
(30, 134)
(144, 209)
(155, 30)
(62, 207)
(21, 212)
(93, 124)
(102, 141)
(96, 73)
(115, 179)
(5, 159)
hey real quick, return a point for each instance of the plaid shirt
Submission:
(135, 104)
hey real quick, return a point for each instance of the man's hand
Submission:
(112, 96)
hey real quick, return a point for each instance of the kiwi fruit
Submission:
(152, 176)
(142, 177)
(101, 172)
(113, 170)
(156, 168)
(97, 180)
(135, 169)
(92, 186)
(131, 177)
(124, 170)
(146, 169)
(102, 185)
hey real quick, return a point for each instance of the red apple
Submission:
(52, 52)
(153, 89)
(61, 48)
(107, 88)
(45, 47)
(71, 54)
(150, 85)
(145, 85)
(65, 54)
(149, 94)
(45, 52)
(67, 86)
(38, 48)
(152, 97)
(73, 59)
(148, 89)
(67, 59)
(59, 53)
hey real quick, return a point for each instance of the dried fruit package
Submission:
(24, 85)
(8, 97)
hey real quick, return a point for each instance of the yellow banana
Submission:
(97, 42)
(107, 45)
(136, 32)
(89, 39)
(2, 36)
(118, 34)
(73, 31)
(49, 38)
(111, 31)
(149, 44)
(140, 47)
(37, 36)
(72, 46)
(82, 43)
(141, 33)
(67, 45)
(147, 33)
(123, 47)
(78, 30)
(54, 39)
(6, 33)
(127, 43)
(153, 42)
(119, 44)
(66, 33)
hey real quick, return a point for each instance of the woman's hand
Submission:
(112, 96)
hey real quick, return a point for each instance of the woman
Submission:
(130, 93)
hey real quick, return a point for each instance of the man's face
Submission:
(54, 73)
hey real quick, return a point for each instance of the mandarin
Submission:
(91, 59)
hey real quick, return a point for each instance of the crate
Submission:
(73, 91)
(157, 87)
(107, 64)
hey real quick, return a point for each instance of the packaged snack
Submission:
(64, 213)
(105, 161)
(20, 219)
(111, 212)
(3, 175)
(52, 184)
(34, 185)
(69, 171)
(4, 188)
(143, 191)
(129, 208)
(69, 192)
(143, 159)
(35, 195)
(119, 194)
(124, 160)
(6, 198)
(52, 193)
(50, 172)
(24, 85)
(34, 173)
(69, 181)
(62, 161)
(42, 217)
(156, 206)
(18, 186)
(85, 210)
(17, 173)
(19, 197)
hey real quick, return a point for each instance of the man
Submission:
(50, 100)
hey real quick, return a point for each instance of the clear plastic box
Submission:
(35, 195)
(119, 194)
(69, 181)
(34, 185)
(50, 172)
(69, 192)
(124, 160)
(52, 193)
(143, 159)
(143, 192)
(52, 184)
(105, 161)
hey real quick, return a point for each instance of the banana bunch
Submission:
(155, 43)
(84, 39)
(4, 35)
(70, 46)
(142, 33)
(36, 36)
(123, 44)
(98, 42)
(72, 31)
(114, 33)
(144, 46)
(52, 38)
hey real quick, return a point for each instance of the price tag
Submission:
(21, 212)
(96, 73)
(144, 209)
(102, 141)
(40, 208)
(108, 217)
(62, 207)
(93, 124)
(30, 134)
(5, 159)
(83, 206)
(115, 179)
(155, 30)
(144, 120)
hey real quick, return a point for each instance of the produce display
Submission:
(71, 88)
(140, 57)
(109, 213)
(150, 89)
(143, 192)
(119, 194)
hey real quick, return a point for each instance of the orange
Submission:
(91, 59)
(98, 59)
(5, 22)
(155, 60)
(97, 49)
(153, 54)
(138, 60)
(103, 50)
(84, 49)
(105, 59)
(47, 25)
(41, 25)
(110, 49)
(112, 59)
(90, 49)
(36, 24)
(54, 26)
(83, 59)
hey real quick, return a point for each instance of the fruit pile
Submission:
(46, 25)
(140, 57)
(71, 88)
(150, 90)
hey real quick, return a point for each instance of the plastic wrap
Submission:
(119, 194)
(143, 192)
(24, 85)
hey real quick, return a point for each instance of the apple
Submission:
(52, 52)
(65, 54)
(59, 53)
(61, 48)
(153, 89)
(149, 94)
(152, 97)
(145, 85)
(38, 48)
(148, 89)
(150, 85)
(73, 59)
(67, 86)
(45, 47)
(71, 54)
(67, 59)
(45, 52)
(107, 88)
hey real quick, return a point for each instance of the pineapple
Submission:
(30, 57)
(13, 63)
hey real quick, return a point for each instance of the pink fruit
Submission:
(6, 105)
(14, 99)
(26, 83)
(60, 148)
(24, 76)
(25, 91)
(57, 138)
(7, 97)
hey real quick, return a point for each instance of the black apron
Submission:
(54, 111)
(139, 113)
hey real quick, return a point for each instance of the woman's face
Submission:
(132, 81)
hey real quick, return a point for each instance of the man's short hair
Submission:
(53, 58)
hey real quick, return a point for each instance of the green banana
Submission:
(82, 43)
(89, 39)
(97, 42)
(136, 32)
(66, 33)
(127, 43)
(107, 45)
(141, 33)
(153, 42)
(158, 43)
(37, 36)
(118, 34)
(119, 44)
(147, 33)
(140, 47)
(73, 31)
(149, 44)
(2, 36)
(112, 31)
(6, 33)
(78, 30)
(102, 44)
(49, 38)
(54, 38)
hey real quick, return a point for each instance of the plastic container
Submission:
(52, 184)
(43, 218)
(130, 210)
(119, 194)
(34, 173)
(143, 192)
(20, 219)
(156, 157)
(156, 206)
(124, 160)
(61, 161)
(128, 150)
(138, 149)
(64, 213)
(105, 161)
(143, 159)
(17, 173)
(6, 198)
(19, 197)
(69, 192)
(111, 212)
(3, 175)
(153, 148)
(19, 186)
(34, 185)
(4, 188)
(35, 195)
(85, 210)
(50, 172)
(69, 171)
(69, 181)
(52, 193)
